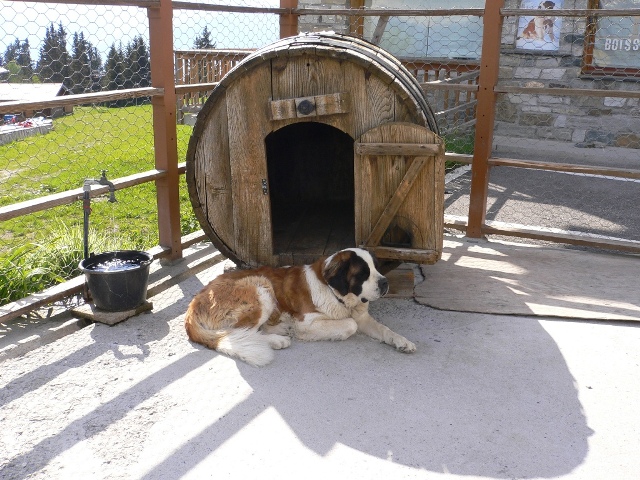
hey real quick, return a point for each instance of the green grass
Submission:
(119, 140)
(44, 248)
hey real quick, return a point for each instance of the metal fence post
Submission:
(489, 64)
(164, 127)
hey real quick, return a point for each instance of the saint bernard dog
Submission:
(249, 313)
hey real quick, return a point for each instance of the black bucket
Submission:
(117, 280)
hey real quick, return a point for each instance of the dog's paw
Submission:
(278, 342)
(403, 345)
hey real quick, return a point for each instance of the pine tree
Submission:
(138, 73)
(204, 40)
(80, 64)
(54, 62)
(114, 78)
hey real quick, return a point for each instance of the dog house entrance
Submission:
(311, 188)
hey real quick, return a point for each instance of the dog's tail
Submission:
(246, 344)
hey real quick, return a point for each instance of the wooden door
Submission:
(399, 192)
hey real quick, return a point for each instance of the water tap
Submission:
(101, 181)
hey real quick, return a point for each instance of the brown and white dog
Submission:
(249, 313)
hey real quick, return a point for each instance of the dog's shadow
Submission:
(485, 396)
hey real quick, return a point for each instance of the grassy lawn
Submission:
(44, 248)
(119, 140)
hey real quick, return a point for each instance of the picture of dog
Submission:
(249, 313)
(538, 27)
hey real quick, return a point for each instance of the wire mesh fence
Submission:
(567, 93)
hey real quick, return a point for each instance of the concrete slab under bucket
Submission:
(89, 311)
(508, 278)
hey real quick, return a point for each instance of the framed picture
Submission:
(540, 30)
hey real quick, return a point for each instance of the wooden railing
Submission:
(450, 87)
(198, 67)
(454, 109)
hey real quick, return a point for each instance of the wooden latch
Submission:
(316, 106)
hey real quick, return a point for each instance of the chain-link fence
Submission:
(567, 94)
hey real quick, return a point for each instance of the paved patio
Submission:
(486, 395)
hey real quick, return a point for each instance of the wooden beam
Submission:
(165, 135)
(288, 21)
(565, 92)
(380, 28)
(65, 198)
(576, 12)
(80, 99)
(117, 3)
(409, 149)
(567, 167)
(485, 115)
(406, 254)
(560, 236)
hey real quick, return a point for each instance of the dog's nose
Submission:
(383, 286)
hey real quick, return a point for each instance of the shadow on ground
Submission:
(484, 397)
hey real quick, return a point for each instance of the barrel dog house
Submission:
(315, 143)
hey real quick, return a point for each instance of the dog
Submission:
(538, 27)
(249, 313)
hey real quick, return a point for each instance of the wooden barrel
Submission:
(270, 164)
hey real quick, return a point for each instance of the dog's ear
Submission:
(336, 272)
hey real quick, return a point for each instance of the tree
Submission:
(54, 62)
(138, 71)
(204, 40)
(18, 54)
(114, 73)
(11, 52)
(85, 65)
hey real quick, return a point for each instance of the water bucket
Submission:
(117, 280)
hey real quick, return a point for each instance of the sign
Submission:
(541, 29)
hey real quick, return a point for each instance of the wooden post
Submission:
(164, 127)
(288, 23)
(357, 27)
(485, 116)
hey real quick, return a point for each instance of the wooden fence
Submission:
(454, 109)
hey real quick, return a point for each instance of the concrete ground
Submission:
(486, 395)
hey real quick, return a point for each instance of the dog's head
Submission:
(353, 275)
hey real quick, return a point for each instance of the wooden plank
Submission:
(448, 86)
(406, 254)
(372, 99)
(64, 198)
(283, 109)
(333, 104)
(408, 149)
(247, 100)
(380, 28)
(80, 99)
(117, 3)
(576, 12)
(394, 12)
(563, 92)
(212, 175)
(560, 236)
(486, 111)
(567, 167)
(396, 201)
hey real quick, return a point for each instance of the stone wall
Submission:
(583, 120)
(318, 23)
